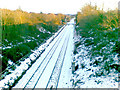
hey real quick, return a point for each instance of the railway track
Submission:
(35, 77)
(55, 75)
(45, 72)
(40, 70)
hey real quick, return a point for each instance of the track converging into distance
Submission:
(52, 68)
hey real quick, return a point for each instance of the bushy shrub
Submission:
(4, 62)
(17, 52)
(31, 44)
(116, 48)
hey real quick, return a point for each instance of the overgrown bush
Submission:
(4, 62)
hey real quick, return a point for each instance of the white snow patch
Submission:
(1, 55)
(10, 62)
(7, 47)
(28, 40)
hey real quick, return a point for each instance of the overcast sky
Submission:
(55, 6)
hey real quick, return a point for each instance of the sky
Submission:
(56, 6)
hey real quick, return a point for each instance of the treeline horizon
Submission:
(19, 16)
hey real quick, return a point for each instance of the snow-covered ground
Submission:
(66, 73)
(85, 76)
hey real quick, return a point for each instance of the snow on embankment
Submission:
(93, 73)
(16, 73)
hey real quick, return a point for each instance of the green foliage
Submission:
(31, 44)
(92, 18)
(116, 48)
(4, 62)
(77, 44)
(50, 26)
(19, 51)
(99, 30)
(16, 53)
